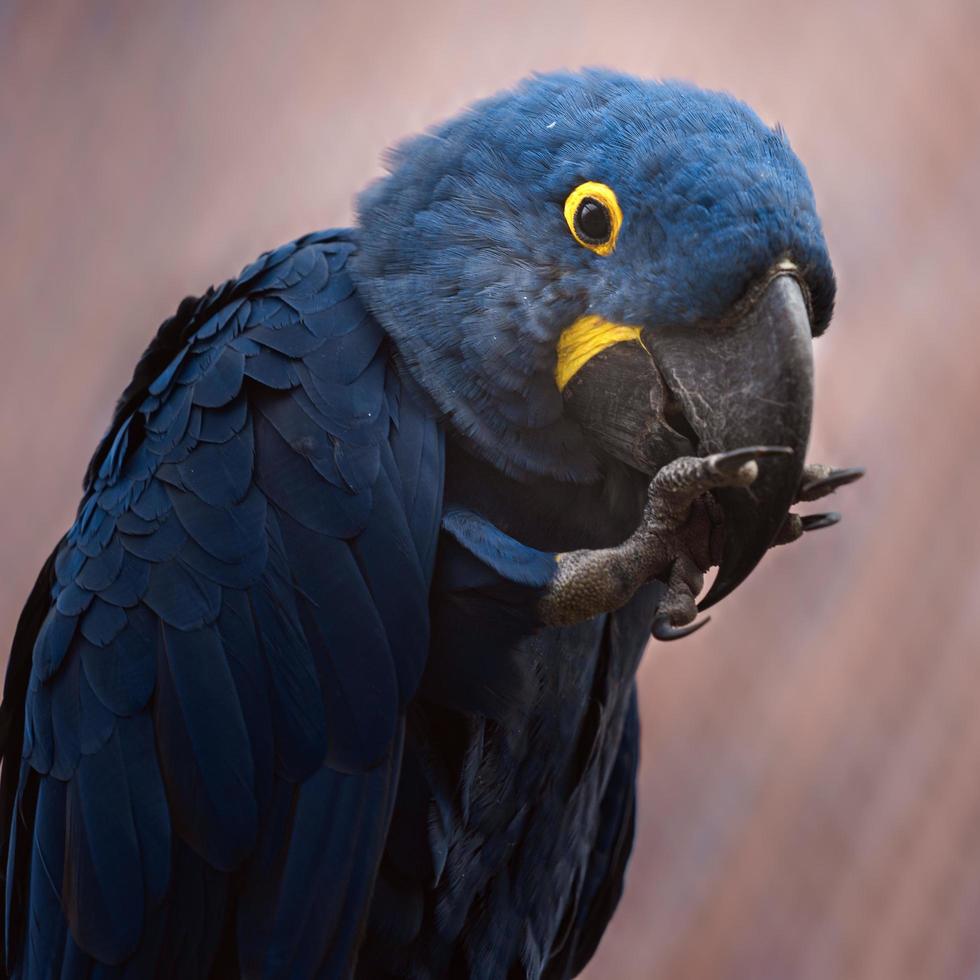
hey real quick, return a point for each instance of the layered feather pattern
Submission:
(238, 618)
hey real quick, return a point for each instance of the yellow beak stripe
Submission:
(585, 338)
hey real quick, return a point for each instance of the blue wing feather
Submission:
(219, 425)
(239, 619)
(102, 622)
(102, 891)
(157, 546)
(46, 940)
(220, 473)
(360, 694)
(222, 382)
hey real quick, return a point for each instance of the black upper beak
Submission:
(714, 387)
(747, 381)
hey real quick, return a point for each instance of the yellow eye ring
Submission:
(594, 216)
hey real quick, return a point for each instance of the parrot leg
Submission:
(818, 481)
(675, 542)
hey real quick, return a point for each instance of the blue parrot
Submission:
(333, 674)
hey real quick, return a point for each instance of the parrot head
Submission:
(594, 267)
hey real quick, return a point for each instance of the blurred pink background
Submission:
(810, 785)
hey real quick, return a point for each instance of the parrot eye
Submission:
(593, 216)
(593, 223)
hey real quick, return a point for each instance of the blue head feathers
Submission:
(468, 262)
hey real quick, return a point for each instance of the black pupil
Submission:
(592, 222)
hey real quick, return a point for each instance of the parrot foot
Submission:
(818, 481)
(677, 541)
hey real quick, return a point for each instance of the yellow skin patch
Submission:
(591, 335)
(586, 337)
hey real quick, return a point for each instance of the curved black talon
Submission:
(662, 628)
(836, 480)
(814, 522)
(733, 461)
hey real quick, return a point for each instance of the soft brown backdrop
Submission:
(810, 798)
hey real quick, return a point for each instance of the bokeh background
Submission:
(810, 784)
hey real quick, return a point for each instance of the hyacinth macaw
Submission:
(333, 674)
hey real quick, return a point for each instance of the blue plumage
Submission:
(711, 194)
(216, 633)
(282, 698)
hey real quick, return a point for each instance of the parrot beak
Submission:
(747, 381)
(710, 388)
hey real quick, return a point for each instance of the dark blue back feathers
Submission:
(238, 618)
